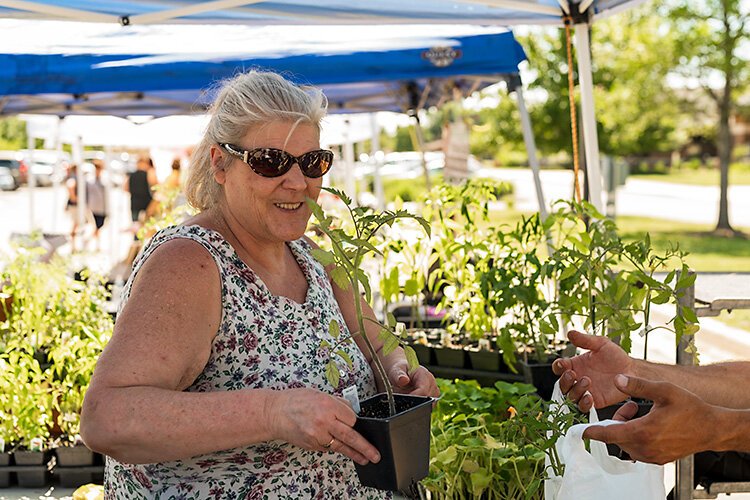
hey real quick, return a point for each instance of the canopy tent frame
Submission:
(556, 12)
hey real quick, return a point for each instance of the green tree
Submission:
(12, 133)
(631, 57)
(497, 130)
(712, 43)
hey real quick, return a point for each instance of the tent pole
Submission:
(80, 185)
(419, 144)
(590, 137)
(30, 177)
(58, 170)
(349, 180)
(374, 158)
(514, 84)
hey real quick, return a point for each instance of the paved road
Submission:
(638, 197)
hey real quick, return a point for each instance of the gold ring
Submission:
(330, 443)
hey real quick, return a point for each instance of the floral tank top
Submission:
(263, 341)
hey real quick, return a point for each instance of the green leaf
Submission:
(689, 314)
(691, 329)
(343, 355)
(425, 225)
(411, 287)
(390, 320)
(446, 456)
(340, 277)
(334, 328)
(323, 256)
(568, 271)
(411, 359)
(316, 209)
(332, 374)
(390, 344)
(686, 279)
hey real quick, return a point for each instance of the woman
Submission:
(173, 179)
(140, 185)
(213, 385)
(96, 199)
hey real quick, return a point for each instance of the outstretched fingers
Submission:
(586, 341)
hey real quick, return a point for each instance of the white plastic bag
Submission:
(596, 475)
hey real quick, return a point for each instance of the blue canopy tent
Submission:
(580, 13)
(398, 73)
(365, 69)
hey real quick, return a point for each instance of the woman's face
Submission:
(271, 209)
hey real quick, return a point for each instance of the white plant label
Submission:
(350, 394)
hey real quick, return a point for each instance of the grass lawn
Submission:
(706, 252)
(737, 319)
(698, 177)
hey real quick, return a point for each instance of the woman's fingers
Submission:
(352, 444)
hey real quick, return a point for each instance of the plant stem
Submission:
(361, 324)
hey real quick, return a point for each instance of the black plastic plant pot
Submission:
(35, 474)
(403, 441)
(4, 474)
(425, 354)
(450, 357)
(606, 413)
(70, 461)
(541, 376)
(484, 360)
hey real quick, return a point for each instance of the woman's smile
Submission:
(288, 206)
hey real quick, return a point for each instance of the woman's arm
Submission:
(135, 409)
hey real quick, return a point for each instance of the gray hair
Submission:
(247, 100)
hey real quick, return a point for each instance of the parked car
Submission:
(7, 181)
(13, 161)
(46, 166)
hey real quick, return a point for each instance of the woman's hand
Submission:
(420, 383)
(317, 421)
(593, 372)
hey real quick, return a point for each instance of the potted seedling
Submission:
(29, 411)
(397, 425)
(7, 434)
(461, 256)
(81, 330)
(516, 288)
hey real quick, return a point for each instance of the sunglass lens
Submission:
(270, 162)
(316, 163)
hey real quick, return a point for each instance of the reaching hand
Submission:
(317, 421)
(592, 372)
(675, 427)
(419, 383)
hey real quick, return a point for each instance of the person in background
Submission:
(71, 206)
(96, 199)
(140, 185)
(173, 180)
(214, 383)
